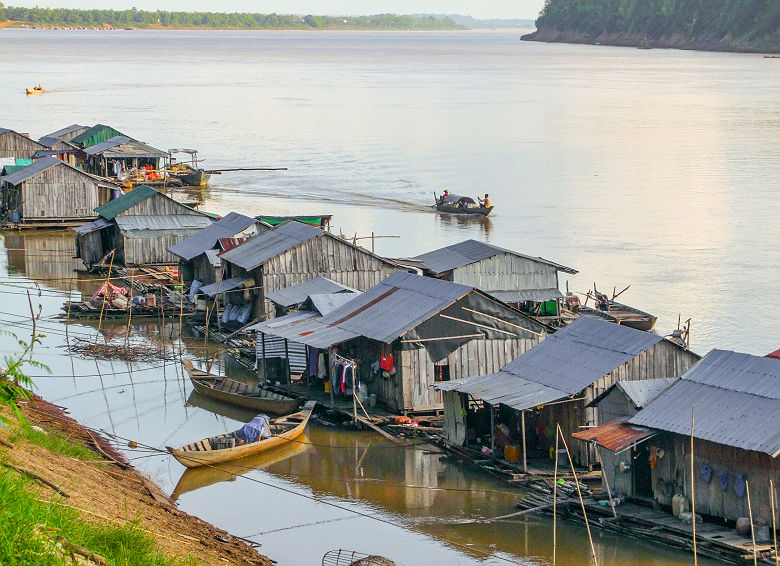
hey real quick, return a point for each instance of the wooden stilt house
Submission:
(139, 227)
(51, 192)
(553, 383)
(406, 334)
(17, 146)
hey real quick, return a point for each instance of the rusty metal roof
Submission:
(271, 243)
(735, 397)
(615, 436)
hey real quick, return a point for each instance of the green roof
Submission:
(128, 200)
(96, 134)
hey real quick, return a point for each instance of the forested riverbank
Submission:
(730, 25)
(133, 18)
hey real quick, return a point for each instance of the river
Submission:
(653, 168)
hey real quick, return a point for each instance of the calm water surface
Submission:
(651, 168)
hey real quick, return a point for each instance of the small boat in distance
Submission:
(610, 310)
(457, 204)
(238, 393)
(35, 90)
(227, 447)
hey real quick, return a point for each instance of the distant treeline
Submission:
(736, 24)
(142, 19)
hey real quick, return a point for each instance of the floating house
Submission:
(58, 144)
(199, 254)
(730, 403)
(553, 383)
(94, 135)
(65, 134)
(294, 252)
(17, 146)
(51, 192)
(421, 330)
(120, 153)
(139, 227)
(512, 277)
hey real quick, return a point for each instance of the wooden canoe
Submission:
(203, 476)
(238, 393)
(284, 430)
(622, 314)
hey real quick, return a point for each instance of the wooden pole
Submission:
(129, 310)
(555, 499)
(579, 492)
(522, 424)
(606, 481)
(752, 527)
(774, 524)
(181, 311)
(693, 491)
(492, 432)
(103, 304)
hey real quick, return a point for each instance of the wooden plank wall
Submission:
(59, 192)
(46, 255)
(90, 247)
(507, 272)
(18, 146)
(417, 372)
(710, 498)
(159, 205)
(204, 271)
(145, 251)
(326, 256)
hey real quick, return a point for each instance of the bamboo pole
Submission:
(103, 304)
(774, 524)
(693, 491)
(752, 527)
(555, 500)
(579, 493)
(130, 310)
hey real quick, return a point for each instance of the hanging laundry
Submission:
(706, 472)
(739, 485)
(723, 479)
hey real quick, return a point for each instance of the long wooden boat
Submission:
(456, 204)
(238, 393)
(205, 452)
(622, 314)
(196, 478)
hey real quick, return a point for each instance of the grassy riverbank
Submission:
(62, 488)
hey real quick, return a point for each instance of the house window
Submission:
(442, 372)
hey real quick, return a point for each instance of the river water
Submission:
(653, 168)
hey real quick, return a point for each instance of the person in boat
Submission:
(39, 87)
(444, 196)
(485, 202)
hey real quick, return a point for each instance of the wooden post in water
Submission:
(752, 527)
(579, 492)
(774, 523)
(129, 311)
(693, 491)
(555, 499)
(492, 432)
(606, 481)
(103, 304)
(522, 425)
(181, 311)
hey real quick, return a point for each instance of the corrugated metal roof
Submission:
(615, 436)
(227, 244)
(560, 366)
(96, 134)
(642, 391)
(166, 222)
(108, 144)
(125, 202)
(4, 130)
(221, 286)
(213, 257)
(297, 294)
(271, 243)
(229, 225)
(775, 355)
(504, 388)
(92, 226)
(326, 303)
(304, 327)
(396, 305)
(65, 131)
(536, 295)
(123, 147)
(471, 251)
(51, 141)
(736, 398)
(38, 166)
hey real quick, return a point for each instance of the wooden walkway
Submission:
(712, 540)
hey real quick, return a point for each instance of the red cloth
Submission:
(386, 363)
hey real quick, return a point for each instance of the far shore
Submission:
(20, 25)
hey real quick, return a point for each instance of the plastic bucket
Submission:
(511, 453)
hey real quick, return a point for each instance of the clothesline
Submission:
(344, 360)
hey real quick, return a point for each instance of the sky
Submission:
(485, 9)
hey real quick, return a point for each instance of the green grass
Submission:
(20, 512)
(53, 441)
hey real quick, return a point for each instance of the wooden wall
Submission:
(327, 256)
(18, 146)
(412, 386)
(159, 205)
(89, 247)
(710, 498)
(204, 271)
(507, 272)
(60, 192)
(152, 249)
